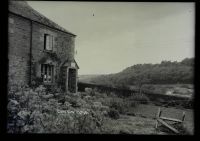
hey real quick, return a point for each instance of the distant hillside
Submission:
(166, 72)
(87, 78)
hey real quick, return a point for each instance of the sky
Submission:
(114, 35)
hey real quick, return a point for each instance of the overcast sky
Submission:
(115, 35)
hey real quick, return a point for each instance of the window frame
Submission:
(47, 73)
(50, 39)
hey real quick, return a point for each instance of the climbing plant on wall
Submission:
(53, 56)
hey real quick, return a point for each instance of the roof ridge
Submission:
(41, 15)
(24, 9)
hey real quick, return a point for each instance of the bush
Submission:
(75, 102)
(141, 98)
(97, 106)
(189, 104)
(28, 112)
(90, 91)
(105, 101)
(117, 104)
(120, 105)
(75, 122)
(36, 81)
(54, 89)
(113, 113)
(111, 94)
(132, 103)
(100, 95)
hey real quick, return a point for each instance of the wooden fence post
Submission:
(183, 118)
(160, 119)
(157, 116)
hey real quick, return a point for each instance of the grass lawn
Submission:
(150, 111)
(131, 125)
(144, 120)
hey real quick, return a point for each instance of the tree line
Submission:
(166, 72)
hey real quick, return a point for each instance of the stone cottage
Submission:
(39, 49)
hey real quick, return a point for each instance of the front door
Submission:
(72, 80)
(63, 77)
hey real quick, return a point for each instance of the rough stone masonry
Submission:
(39, 49)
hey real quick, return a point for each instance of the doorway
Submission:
(72, 80)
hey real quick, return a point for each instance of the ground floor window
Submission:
(47, 73)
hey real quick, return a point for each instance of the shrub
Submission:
(36, 81)
(88, 90)
(113, 113)
(28, 112)
(79, 123)
(141, 98)
(83, 94)
(87, 98)
(132, 103)
(54, 89)
(105, 101)
(99, 95)
(74, 102)
(111, 94)
(120, 105)
(97, 106)
(188, 104)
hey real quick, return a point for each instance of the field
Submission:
(149, 111)
(186, 90)
(131, 125)
(143, 121)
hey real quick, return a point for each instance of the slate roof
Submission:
(23, 9)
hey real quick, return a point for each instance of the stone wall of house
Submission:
(63, 48)
(19, 50)
(26, 55)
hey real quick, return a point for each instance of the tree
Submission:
(140, 80)
(188, 61)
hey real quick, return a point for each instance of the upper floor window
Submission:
(48, 42)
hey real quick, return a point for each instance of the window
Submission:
(48, 44)
(47, 73)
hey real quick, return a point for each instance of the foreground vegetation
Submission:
(43, 110)
(49, 110)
